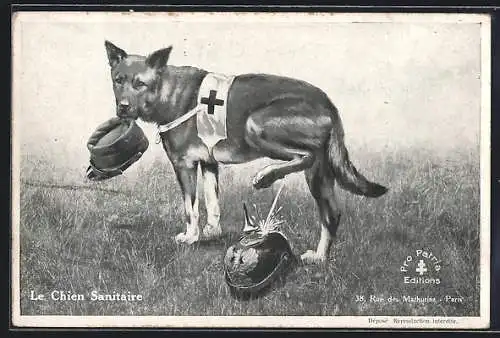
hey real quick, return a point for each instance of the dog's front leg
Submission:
(211, 190)
(187, 177)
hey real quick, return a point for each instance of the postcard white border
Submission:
(262, 321)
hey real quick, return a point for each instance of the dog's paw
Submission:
(312, 257)
(212, 231)
(184, 238)
(265, 178)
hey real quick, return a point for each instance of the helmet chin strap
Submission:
(95, 174)
(283, 259)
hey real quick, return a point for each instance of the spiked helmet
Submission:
(261, 255)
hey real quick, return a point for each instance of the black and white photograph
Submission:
(231, 169)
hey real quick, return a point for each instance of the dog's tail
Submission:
(345, 173)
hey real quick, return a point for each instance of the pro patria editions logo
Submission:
(422, 267)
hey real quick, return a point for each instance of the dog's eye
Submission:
(119, 80)
(139, 84)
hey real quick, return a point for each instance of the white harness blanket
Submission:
(211, 110)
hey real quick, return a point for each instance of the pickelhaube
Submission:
(256, 260)
(114, 146)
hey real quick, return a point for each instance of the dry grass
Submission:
(87, 240)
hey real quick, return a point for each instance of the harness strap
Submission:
(175, 123)
(178, 121)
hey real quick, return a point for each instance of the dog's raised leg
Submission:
(285, 130)
(210, 173)
(322, 184)
(187, 178)
(297, 160)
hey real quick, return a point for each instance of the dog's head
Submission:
(137, 81)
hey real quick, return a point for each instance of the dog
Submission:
(267, 116)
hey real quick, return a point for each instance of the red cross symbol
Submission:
(211, 101)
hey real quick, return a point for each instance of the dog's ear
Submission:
(158, 59)
(115, 54)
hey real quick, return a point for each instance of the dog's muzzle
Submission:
(123, 111)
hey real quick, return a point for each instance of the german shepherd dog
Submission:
(267, 116)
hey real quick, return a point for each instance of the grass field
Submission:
(83, 240)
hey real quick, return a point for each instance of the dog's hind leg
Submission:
(321, 184)
(210, 173)
(187, 177)
(286, 130)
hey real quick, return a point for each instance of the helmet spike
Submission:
(249, 224)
